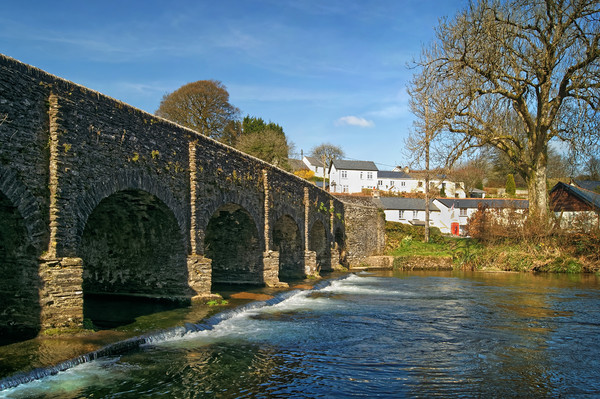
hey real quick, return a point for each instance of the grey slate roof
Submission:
(408, 204)
(589, 197)
(296, 164)
(494, 203)
(342, 164)
(587, 184)
(388, 174)
(314, 161)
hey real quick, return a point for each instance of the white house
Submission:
(396, 182)
(401, 181)
(455, 212)
(352, 176)
(408, 210)
(314, 164)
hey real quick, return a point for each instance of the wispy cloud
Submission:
(391, 111)
(354, 121)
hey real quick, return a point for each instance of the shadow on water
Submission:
(119, 321)
(134, 343)
(111, 311)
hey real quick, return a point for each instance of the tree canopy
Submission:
(202, 106)
(516, 74)
(266, 141)
(268, 144)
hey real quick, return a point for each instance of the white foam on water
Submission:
(69, 382)
(248, 325)
(356, 285)
(245, 325)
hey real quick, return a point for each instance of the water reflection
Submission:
(389, 335)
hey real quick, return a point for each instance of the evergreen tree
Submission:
(511, 187)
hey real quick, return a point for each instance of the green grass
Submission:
(404, 240)
(407, 240)
(412, 247)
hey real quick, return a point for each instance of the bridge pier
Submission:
(61, 292)
(310, 263)
(271, 269)
(335, 260)
(199, 275)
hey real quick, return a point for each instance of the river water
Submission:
(388, 335)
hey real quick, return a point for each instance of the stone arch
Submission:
(27, 206)
(132, 247)
(339, 242)
(130, 180)
(252, 205)
(318, 242)
(281, 209)
(20, 283)
(233, 243)
(287, 240)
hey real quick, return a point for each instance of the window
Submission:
(361, 175)
(401, 214)
(345, 188)
(380, 182)
(415, 214)
(369, 175)
(420, 184)
(344, 174)
(403, 184)
(463, 212)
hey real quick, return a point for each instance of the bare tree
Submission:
(591, 168)
(470, 174)
(327, 152)
(202, 106)
(426, 128)
(516, 74)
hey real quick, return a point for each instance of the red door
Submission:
(455, 229)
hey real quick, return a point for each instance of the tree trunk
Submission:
(538, 191)
(427, 145)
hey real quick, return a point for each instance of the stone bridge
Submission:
(97, 197)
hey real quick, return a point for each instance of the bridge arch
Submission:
(97, 191)
(287, 240)
(27, 206)
(19, 287)
(233, 242)
(132, 246)
(318, 241)
(252, 204)
(339, 244)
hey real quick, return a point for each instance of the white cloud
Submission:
(354, 121)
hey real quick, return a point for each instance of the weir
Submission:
(132, 344)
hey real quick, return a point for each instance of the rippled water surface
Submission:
(374, 335)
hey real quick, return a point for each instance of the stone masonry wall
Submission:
(100, 146)
(365, 231)
(65, 148)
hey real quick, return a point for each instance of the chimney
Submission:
(406, 170)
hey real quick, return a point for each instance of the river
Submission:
(384, 334)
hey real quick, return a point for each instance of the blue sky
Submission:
(327, 71)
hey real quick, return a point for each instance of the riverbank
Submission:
(559, 253)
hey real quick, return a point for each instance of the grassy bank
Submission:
(557, 253)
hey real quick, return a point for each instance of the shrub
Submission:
(306, 174)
